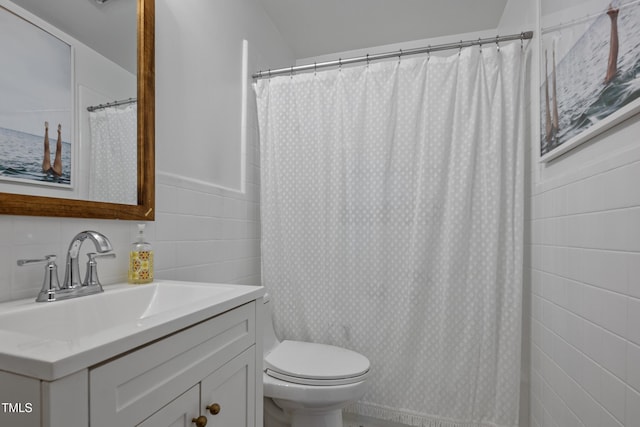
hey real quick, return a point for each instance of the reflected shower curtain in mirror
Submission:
(392, 225)
(113, 175)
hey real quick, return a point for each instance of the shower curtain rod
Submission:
(112, 104)
(526, 35)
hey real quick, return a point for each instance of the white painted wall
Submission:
(205, 231)
(201, 232)
(395, 47)
(203, 76)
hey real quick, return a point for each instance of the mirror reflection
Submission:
(68, 114)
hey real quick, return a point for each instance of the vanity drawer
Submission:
(128, 389)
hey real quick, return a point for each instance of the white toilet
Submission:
(308, 384)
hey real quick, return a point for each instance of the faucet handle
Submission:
(50, 283)
(47, 258)
(91, 277)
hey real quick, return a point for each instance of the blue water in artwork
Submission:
(583, 97)
(21, 156)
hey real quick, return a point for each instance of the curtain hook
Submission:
(428, 53)
(522, 40)
(367, 60)
(339, 64)
(497, 43)
(460, 48)
(315, 68)
(399, 55)
(480, 44)
(269, 73)
(291, 73)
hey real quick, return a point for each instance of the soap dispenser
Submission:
(140, 259)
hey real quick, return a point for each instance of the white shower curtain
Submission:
(392, 212)
(113, 172)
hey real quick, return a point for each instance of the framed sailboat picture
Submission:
(590, 70)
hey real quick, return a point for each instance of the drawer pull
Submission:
(201, 421)
(214, 408)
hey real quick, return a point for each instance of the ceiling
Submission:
(319, 27)
(109, 28)
(310, 27)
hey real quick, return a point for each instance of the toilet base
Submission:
(317, 419)
(275, 416)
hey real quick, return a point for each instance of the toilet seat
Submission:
(315, 382)
(315, 364)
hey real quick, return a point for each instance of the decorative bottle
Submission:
(141, 260)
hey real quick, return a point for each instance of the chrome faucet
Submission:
(72, 278)
(72, 286)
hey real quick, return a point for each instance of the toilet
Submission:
(308, 384)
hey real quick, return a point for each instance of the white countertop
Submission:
(50, 340)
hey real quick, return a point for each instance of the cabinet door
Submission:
(20, 397)
(126, 390)
(228, 394)
(178, 413)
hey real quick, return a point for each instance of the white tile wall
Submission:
(585, 286)
(207, 233)
(34, 237)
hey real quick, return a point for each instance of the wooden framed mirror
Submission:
(18, 204)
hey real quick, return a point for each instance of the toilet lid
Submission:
(315, 364)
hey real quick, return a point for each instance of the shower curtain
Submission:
(113, 175)
(392, 224)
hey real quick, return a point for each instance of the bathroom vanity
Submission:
(165, 354)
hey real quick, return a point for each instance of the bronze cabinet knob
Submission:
(201, 421)
(214, 408)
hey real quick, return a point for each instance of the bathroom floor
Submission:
(353, 420)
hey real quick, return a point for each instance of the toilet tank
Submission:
(269, 335)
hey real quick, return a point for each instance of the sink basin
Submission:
(77, 318)
(50, 340)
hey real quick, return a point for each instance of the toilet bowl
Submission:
(308, 384)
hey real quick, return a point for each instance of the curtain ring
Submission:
(269, 73)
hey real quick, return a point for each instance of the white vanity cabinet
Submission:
(209, 368)
(217, 357)
(224, 398)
